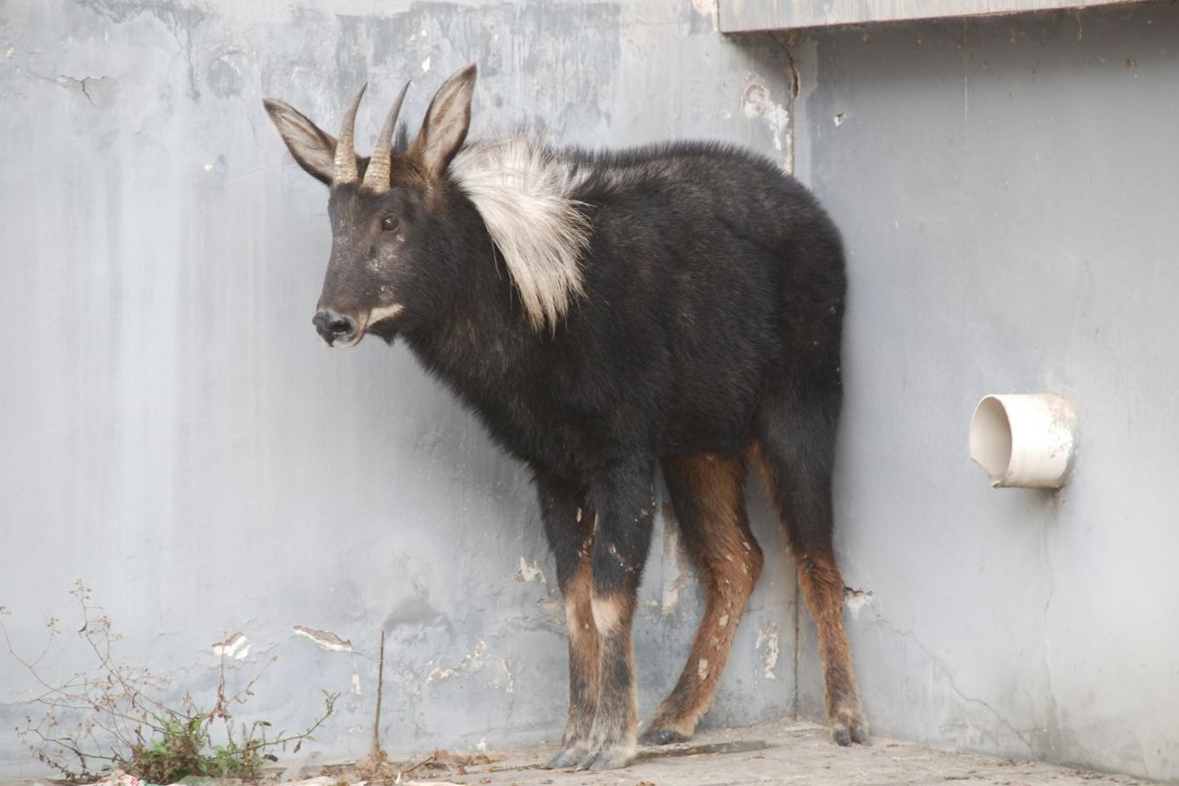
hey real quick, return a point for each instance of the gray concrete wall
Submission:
(1007, 188)
(175, 435)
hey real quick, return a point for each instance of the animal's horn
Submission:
(376, 177)
(345, 149)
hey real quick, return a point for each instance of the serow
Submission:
(609, 315)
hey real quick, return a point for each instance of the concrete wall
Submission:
(174, 433)
(1007, 188)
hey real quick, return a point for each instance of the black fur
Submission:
(713, 283)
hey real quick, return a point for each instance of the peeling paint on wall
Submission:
(855, 600)
(529, 571)
(673, 555)
(236, 647)
(510, 687)
(757, 101)
(324, 638)
(767, 638)
(472, 662)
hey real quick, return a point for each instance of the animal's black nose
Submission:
(333, 326)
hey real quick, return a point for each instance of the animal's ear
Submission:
(446, 123)
(312, 147)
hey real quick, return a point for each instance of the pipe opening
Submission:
(1024, 440)
(990, 437)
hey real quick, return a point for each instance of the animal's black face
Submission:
(370, 275)
(386, 227)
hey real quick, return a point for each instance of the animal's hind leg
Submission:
(708, 495)
(568, 526)
(796, 456)
(623, 499)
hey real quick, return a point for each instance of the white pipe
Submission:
(1024, 440)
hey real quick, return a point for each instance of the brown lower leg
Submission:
(676, 718)
(822, 586)
(804, 502)
(583, 661)
(708, 493)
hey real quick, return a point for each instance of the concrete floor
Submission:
(777, 753)
(771, 753)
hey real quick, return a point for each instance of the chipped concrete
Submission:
(324, 638)
(854, 600)
(471, 662)
(509, 683)
(677, 572)
(767, 640)
(530, 571)
(236, 646)
(759, 102)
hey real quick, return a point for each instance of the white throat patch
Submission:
(522, 192)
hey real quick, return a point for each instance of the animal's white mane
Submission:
(522, 191)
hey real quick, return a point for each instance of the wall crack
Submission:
(945, 670)
(1054, 723)
(65, 80)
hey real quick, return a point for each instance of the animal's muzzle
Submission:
(333, 327)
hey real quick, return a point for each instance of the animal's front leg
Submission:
(624, 500)
(568, 525)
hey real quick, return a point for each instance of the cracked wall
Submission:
(1006, 189)
(175, 435)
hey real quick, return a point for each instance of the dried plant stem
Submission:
(376, 749)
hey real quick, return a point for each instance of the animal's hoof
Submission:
(662, 737)
(610, 758)
(565, 758)
(850, 727)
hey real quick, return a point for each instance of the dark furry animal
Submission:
(673, 308)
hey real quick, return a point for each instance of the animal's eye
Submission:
(389, 223)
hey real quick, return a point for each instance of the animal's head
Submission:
(386, 211)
